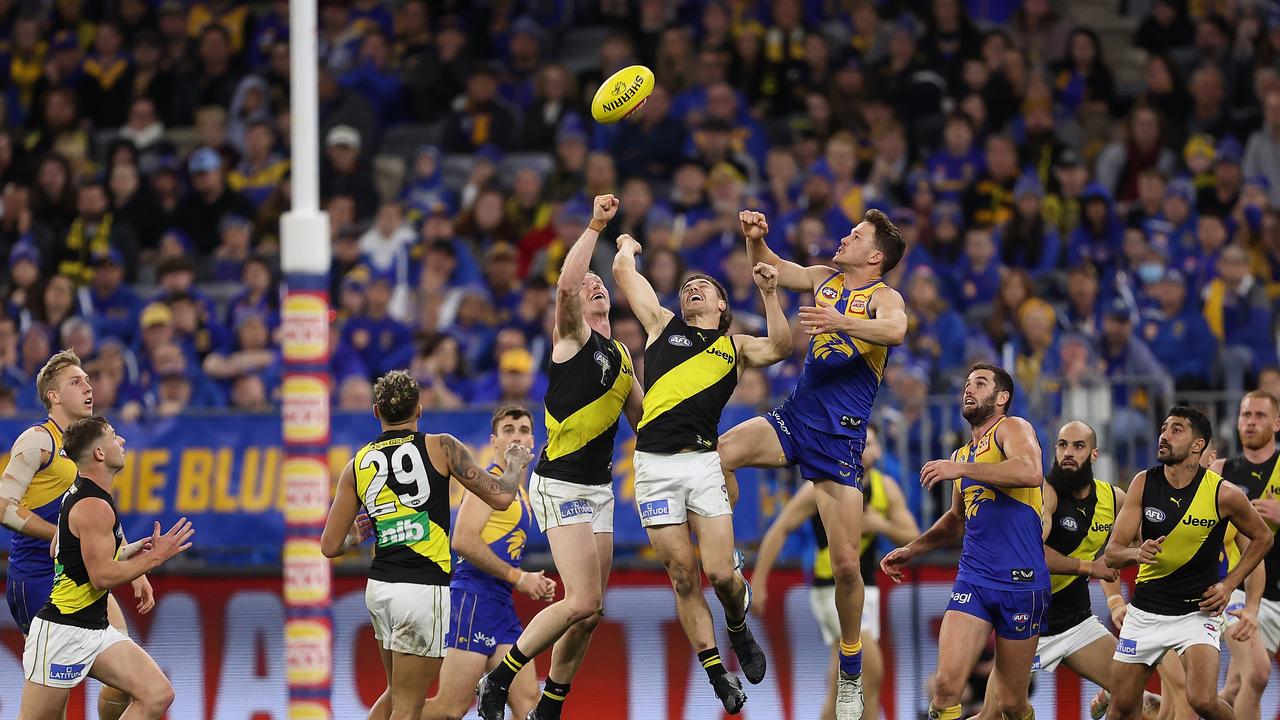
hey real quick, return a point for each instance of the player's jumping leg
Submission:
(128, 667)
(840, 507)
(112, 702)
(715, 543)
(571, 649)
(1201, 664)
(461, 671)
(960, 641)
(1013, 677)
(675, 550)
(574, 549)
(1252, 670)
(751, 443)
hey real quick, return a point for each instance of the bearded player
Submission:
(855, 319)
(1003, 582)
(31, 490)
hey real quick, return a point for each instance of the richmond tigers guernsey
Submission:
(689, 374)
(1188, 561)
(1080, 529)
(1002, 547)
(874, 497)
(29, 556)
(584, 400)
(506, 533)
(407, 499)
(74, 600)
(1258, 482)
(842, 374)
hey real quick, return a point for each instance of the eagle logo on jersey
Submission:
(515, 544)
(603, 361)
(826, 345)
(975, 496)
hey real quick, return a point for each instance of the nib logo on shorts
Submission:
(404, 530)
(1127, 647)
(654, 508)
(574, 508)
(65, 672)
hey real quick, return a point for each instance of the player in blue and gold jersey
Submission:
(853, 323)
(1003, 582)
(31, 490)
(1172, 524)
(402, 481)
(483, 623)
(591, 385)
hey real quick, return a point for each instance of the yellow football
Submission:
(622, 94)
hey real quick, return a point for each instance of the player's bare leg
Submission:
(458, 677)
(840, 507)
(411, 677)
(960, 642)
(1232, 686)
(381, 708)
(751, 443)
(1128, 681)
(112, 702)
(1201, 664)
(42, 703)
(1252, 670)
(129, 668)
(1173, 690)
(715, 545)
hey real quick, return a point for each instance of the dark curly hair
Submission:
(396, 397)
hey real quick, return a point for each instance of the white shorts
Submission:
(409, 618)
(822, 600)
(557, 503)
(1053, 649)
(1146, 637)
(60, 656)
(669, 487)
(1268, 620)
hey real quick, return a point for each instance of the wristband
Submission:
(597, 225)
(1115, 601)
(1086, 567)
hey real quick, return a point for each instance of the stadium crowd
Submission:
(1066, 224)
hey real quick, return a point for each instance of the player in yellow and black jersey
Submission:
(591, 384)
(692, 365)
(402, 481)
(1172, 524)
(70, 638)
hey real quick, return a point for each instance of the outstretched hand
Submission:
(628, 245)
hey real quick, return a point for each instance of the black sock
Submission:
(507, 669)
(735, 628)
(710, 659)
(553, 695)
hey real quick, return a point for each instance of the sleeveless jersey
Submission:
(28, 556)
(1259, 482)
(1188, 561)
(689, 374)
(837, 388)
(1080, 530)
(74, 600)
(1002, 547)
(408, 500)
(505, 533)
(584, 399)
(874, 497)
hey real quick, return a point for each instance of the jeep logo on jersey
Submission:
(680, 341)
(1199, 522)
(720, 353)
(1101, 527)
(1153, 514)
(603, 361)
(1069, 523)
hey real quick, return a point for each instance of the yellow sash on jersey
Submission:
(1095, 541)
(1186, 538)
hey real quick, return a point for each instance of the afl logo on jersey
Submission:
(829, 293)
(603, 361)
(1153, 514)
(680, 341)
(1069, 523)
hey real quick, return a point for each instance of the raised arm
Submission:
(802, 506)
(1120, 552)
(497, 491)
(30, 452)
(1235, 508)
(765, 351)
(887, 325)
(639, 293)
(791, 276)
(92, 521)
(1021, 468)
(570, 324)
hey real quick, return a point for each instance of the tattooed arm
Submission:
(499, 491)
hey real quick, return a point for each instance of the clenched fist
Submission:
(754, 225)
(766, 277)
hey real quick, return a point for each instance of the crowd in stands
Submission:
(1060, 220)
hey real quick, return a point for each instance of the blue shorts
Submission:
(820, 455)
(479, 623)
(26, 596)
(1015, 614)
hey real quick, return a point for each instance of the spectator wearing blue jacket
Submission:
(1239, 314)
(376, 80)
(958, 164)
(1100, 233)
(110, 305)
(1178, 335)
(382, 342)
(978, 274)
(1026, 241)
(935, 332)
(1172, 232)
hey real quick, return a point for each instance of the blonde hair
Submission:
(47, 378)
